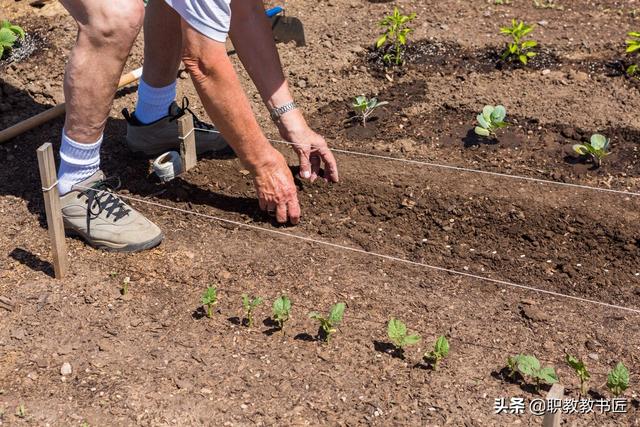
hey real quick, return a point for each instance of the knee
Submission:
(116, 22)
(197, 65)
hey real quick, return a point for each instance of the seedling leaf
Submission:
(397, 332)
(618, 379)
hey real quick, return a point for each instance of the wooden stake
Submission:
(187, 142)
(52, 206)
(554, 419)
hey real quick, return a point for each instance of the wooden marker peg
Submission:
(48, 178)
(187, 142)
(554, 419)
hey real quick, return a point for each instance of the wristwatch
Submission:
(278, 112)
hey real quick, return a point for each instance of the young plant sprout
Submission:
(281, 311)
(395, 34)
(328, 325)
(399, 336)
(364, 107)
(618, 379)
(597, 148)
(439, 352)
(490, 120)
(125, 286)
(249, 304)
(581, 371)
(9, 34)
(518, 48)
(529, 366)
(209, 299)
(633, 46)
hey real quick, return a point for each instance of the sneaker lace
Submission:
(100, 198)
(197, 123)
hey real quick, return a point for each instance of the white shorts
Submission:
(211, 18)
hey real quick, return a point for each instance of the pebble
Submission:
(593, 356)
(302, 83)
(546, 71)
(65, 369)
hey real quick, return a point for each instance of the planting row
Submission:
(523, 368)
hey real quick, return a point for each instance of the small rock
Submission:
(66, 369)
(543, 23)
(17, 334)
(593, 356)
(534, 314)
(327, 44)
(546, 71)
(302, 83)
(183, 384)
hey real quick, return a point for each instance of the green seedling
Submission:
(518, 48)
(399, 336)
(439, 352)
(581, 371)
(364, 107)
(249, 304)
(21, 411)
(9, 34)
(281, 311)
(125, 286)
(395, 35)
(209, 299)
(490, 120)
(618, 379)
(597, 148)
(547, 4)
(633, 46)
(529, 366)
(329, 324)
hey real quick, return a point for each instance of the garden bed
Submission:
(151, 358)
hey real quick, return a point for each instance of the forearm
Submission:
(253, 41)
(223, 98)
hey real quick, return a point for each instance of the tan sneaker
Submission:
(161, 136)
(91, 211)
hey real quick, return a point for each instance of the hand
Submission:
(276, 190)
(311, 148)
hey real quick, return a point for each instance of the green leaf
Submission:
(411, 340)
(210, 296)
(1, 50)
(531, 54)
(481, 131)
(580, 149)
(396, 330)
(7, 37)
(527, 364)
(618, 379)
(499, 113)
(282, 305)
(529, 44)
(633, 46)
(487, 111)
(337, 312)
(441, 346)
(245, 301)
(17, 30)
(483, 122)
(548, 375)
(598, 141)
(634, 34)
(381, 41)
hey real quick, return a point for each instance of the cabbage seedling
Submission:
(633, 46)
(249, 305)
(364, 107)
(439, 352)
(529, 366)
(395, 34)
(618, 379)
(518, 48)
(9, 34)
(281, 311)
(581, 371)
(399, 336)
(209, 299)
(328, 325)
(490, 120)
(597, 148)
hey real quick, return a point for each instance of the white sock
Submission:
(77, 162)
(153, 102)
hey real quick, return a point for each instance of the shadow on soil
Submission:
(503, 375)
(388, 348)
(32, 261)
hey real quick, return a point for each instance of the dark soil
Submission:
(152, 357)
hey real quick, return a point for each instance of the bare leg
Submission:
(162, 44)
(106, 32)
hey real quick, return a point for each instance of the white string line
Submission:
(375, 254)
(460, 168)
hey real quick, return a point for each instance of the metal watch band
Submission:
(278, 112)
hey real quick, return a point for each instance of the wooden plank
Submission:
(187, 142)
(49, 181)
(554, 419)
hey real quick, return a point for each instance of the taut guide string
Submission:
(460, 168)
(375, 254)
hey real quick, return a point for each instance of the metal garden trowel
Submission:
(286, 28)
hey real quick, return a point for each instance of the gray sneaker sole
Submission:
(111, 247)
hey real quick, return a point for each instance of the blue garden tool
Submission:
(285, 28)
